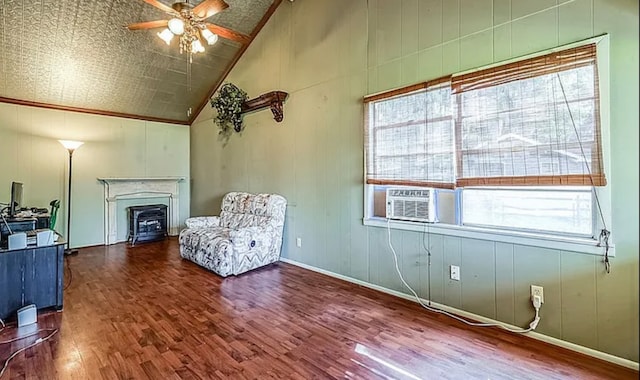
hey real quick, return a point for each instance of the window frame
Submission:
(544, 239)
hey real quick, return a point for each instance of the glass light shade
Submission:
(70, 144)
(166, 36)
(176, 26)
(197, 47)
(210, 37)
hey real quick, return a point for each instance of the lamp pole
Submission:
(69, 251)
(71, 147)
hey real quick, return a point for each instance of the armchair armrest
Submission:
(203, 222)
(251, 248)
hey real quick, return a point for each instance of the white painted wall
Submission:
(114, 147)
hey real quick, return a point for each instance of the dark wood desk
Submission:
(33, 275)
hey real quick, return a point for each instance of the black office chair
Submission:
(55, 205)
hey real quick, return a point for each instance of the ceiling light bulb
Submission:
(166, 36)
(176, 26)
(210, 37)
(197, 47)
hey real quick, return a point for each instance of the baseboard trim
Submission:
(545, 338)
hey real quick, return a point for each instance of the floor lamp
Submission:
(71, 146)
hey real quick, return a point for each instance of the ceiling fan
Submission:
(188, 23)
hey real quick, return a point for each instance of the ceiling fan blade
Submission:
(148, 25)
(208, 8)
(159, 5)
(228, 33)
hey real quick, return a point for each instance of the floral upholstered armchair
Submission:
(246, 235)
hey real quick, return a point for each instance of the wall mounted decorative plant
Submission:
(231, 104)
(228, 102)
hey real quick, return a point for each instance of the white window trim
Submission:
(579, 245)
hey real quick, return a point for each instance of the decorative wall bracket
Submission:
(274, 100)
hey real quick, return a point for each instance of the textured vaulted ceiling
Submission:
(76, 54)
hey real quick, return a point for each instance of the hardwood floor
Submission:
(143, 313)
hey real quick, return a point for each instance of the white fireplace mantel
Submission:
(116, 189)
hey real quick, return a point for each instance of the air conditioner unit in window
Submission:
(416, 205)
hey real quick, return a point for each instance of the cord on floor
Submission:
(68, 267)
(17, 352)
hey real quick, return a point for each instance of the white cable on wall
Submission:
(536, 301)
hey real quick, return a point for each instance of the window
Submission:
(518, 145)
(515, 123)
(410, 138)
(565, 211)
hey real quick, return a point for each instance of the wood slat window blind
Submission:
(409, 136)
(513, 123)
(528, 68)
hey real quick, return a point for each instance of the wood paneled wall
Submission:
(328, 54)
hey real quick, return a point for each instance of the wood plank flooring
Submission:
(143, 313)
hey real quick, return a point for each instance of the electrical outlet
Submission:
(299, 242)
(537, 291)
(454, 272)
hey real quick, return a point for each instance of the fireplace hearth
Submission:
(147, 223)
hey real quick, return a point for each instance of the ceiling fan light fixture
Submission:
(196, 47)
(166, 35)
(176, 26)
(210, 37)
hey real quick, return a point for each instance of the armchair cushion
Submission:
(247, 235)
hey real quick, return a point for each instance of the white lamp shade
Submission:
(176, 26)
(197, 47)
(210, 37)
(166, 36)
(70, 144)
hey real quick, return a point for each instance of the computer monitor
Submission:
(16, 198)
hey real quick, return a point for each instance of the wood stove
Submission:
(147, 223)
